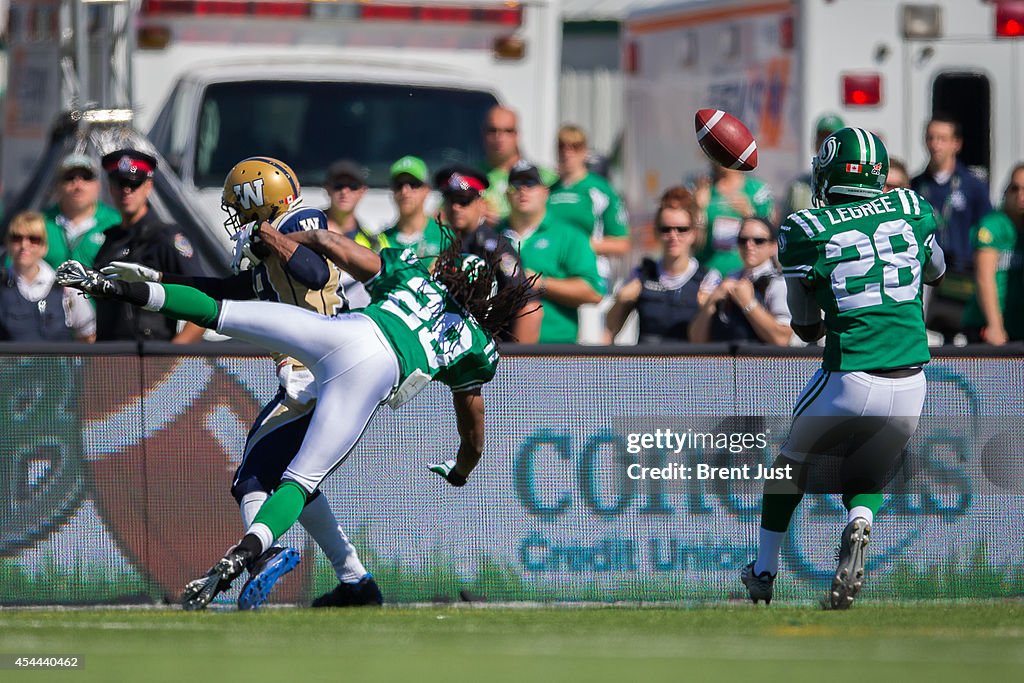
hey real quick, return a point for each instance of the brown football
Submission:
(725, 139)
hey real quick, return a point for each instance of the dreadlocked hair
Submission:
(472, 289)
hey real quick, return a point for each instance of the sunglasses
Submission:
(72, 176)
(352, 185)
(460, 199)
(526, 182)
(681, 229)
(571, 145)
(759, 241)
(130, 183)
(494, 131)
(31, 239)
(399, 184)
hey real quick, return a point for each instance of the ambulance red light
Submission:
(388, 12)
(862, 90)
(281, 9)
(632, 57)
(1009, 19)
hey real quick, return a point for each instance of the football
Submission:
(725, 139)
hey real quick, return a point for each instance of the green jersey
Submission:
(82, 246)
(864, 263)
(428, 330)
(997, 231)
(720, 251)
(426, 245)
(590, 205)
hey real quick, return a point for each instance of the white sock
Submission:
(768, 546)
(250, 505)
(322, 525)
(262, 532)
(860, 511)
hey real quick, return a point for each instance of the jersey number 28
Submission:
(870, 250)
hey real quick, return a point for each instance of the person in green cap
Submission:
(798, 194)
(414, 229)
(75, 223)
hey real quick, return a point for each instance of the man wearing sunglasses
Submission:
(76, 222)
(559, 254)
(414, 229)
(141, 238)
(462, 190)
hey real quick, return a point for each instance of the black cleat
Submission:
(76, 276)
(365, 593)
(198, 593)
(760, 586)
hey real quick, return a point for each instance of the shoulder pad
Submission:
(306, 218)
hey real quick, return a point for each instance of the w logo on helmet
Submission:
(250, 194)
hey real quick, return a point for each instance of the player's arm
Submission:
(935, 266)
(300, 262)
(806, 322)
(469, 418)
(358, 261)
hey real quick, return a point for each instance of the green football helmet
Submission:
(851, 163)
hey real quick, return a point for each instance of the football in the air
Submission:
(725, 139)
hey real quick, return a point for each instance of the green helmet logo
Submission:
(852, 164)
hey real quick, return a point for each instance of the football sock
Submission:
(175, 301)
(769, 544)
(280, 511)
(319, 520)
(866, 505)
(781, 496)
(860, 511)
(250, 505)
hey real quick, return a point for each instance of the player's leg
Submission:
(356, 586)
(892, 409)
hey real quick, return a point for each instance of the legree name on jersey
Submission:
(428, 330)
(864, 262)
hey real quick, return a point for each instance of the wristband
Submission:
(751, 306)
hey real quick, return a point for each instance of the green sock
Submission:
(187, 303)
(282, 509)
(871, 501)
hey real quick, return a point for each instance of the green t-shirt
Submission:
(723, 225)
(428, 330)
(496, 193)
(590, 205)
(558, 251)
(84, 246)
(996, 231)
(864, 262)
(426, 245)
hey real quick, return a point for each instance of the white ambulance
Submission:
(779, 64)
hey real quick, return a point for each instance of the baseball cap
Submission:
(73, 161)
(460, 179)
(346, 167)
(129, 163)
(410, 165)
(829, 123)
(524, 170)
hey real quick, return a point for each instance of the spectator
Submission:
(76, 223)
(732, 196)
(501, 146)
(750, 304)
(995, 314)
(414, 229)
(665, 294)
(561, 256)
(898, 176)
(32, 308)
(586, 201)
(141, 238)
(959, 199)
(346, 185)
(463, 206)
(798, 194)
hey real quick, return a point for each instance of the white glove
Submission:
(299, 385)
(244, 239)
(130, 272)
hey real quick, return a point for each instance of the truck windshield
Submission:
(310, 124)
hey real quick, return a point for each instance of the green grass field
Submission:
(927, 642)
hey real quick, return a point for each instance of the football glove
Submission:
(446, 470)
(130, 272)
(245, 239)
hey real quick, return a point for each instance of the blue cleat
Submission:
(266, 571)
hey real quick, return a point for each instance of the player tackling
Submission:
(860, 257)
(420, 326)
